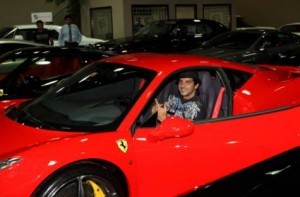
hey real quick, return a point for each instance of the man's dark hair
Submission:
(68, 16)
(39, 21)
(190, 74)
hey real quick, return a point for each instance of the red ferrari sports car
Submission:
(94, 133)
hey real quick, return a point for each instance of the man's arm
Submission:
(78, 37)
(51, 41)
(161, 110)
(50, 35)
(61, 36)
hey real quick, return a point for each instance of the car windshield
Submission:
(233, 40)
(12, 61)
(156, 28)
(4, 31)
(96, 98)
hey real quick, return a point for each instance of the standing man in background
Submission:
(41, 35)
(70, 35)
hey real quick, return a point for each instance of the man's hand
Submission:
(161, 110)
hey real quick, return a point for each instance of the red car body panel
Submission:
(153, 167)
(159, 162)
(4, 104)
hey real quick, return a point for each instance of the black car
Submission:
(248, 46)
(29, 72)
(289, 57)
(7, 45)
(277, 176)
(166, 36)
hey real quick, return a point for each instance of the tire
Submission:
(84, 180)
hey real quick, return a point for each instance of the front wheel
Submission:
(81, 181)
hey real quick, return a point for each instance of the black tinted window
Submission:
(237, 78)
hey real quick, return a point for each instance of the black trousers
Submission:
(71, 44)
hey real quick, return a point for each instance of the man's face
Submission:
(187, 87)
(68, 20)
(40, 26)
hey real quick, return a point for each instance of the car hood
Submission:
(4, 104)
(16, 137)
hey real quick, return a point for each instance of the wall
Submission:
(19, 11)
(269, 12)
(257, 12)
(171, 3)
(122, 12)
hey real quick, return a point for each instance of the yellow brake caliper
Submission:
(97, 190)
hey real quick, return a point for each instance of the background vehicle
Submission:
(289, 57)
(29, 72)
(94, 131)
(23, 32)
(166, 36)
(291, 28)
(248, 46)
(241, 24)
(7, 45)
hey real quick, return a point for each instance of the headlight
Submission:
(9, 162)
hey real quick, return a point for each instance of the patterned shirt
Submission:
(191, 109)
(42, 37)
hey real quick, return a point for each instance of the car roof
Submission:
(294, 23)
(186, 20)
(32, 26)
(59, 49)
(21, 42)
(257, 30)
(170, 62)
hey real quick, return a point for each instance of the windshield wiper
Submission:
(21, 116)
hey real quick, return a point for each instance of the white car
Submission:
(291, 27)
(22, 32)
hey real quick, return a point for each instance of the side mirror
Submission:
(172, 127)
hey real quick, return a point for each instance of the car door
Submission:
(182, 154)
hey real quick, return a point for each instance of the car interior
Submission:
(211, 91)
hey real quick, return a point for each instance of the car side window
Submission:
(237, 78)
(26, 33)
(285, 39)
(276, 40)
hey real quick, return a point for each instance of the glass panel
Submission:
(219, 13)
(101, 23)
(144, 15)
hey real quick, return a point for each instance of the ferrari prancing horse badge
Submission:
(122, 144)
